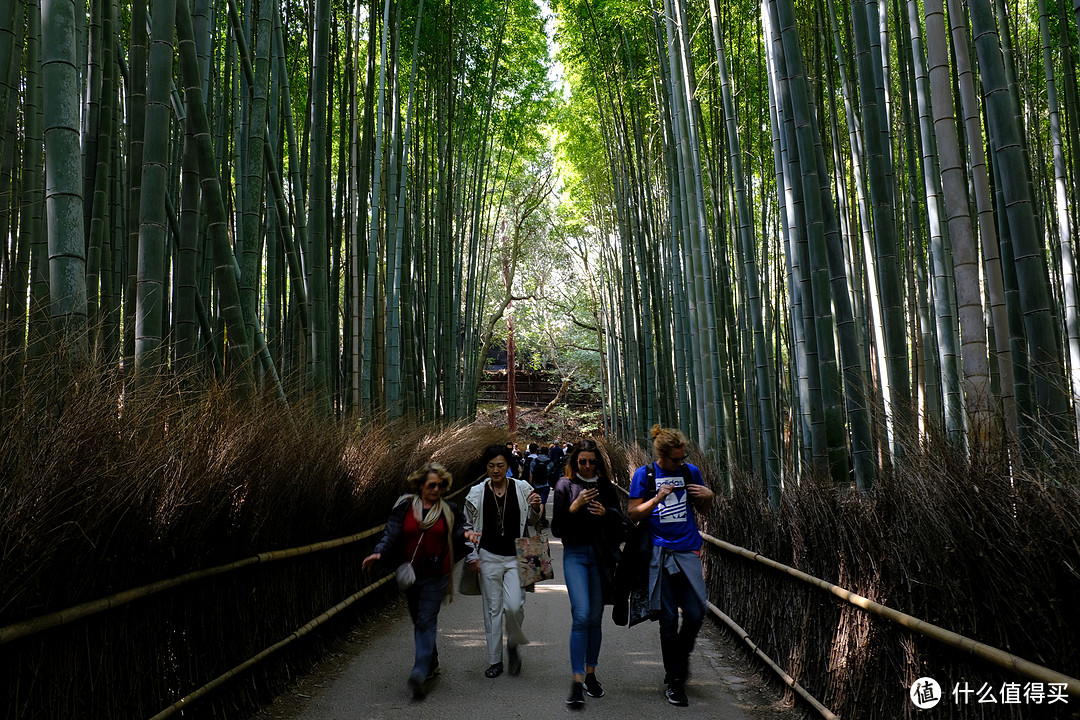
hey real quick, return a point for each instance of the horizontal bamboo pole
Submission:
(93, 607)
(737, 629)
(993, 655)
(788, 680)
(307, 628)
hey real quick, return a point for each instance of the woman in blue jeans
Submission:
(586, 515)
(429, 532)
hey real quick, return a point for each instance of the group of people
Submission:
(587, 516)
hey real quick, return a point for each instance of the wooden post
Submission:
(511, 395)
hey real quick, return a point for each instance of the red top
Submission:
(433, 557)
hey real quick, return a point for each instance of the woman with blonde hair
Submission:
(664, 494)
(428, 532)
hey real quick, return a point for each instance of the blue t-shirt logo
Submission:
(672, 509)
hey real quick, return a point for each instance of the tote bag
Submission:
(534, 558)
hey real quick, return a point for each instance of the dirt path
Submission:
(366, 677)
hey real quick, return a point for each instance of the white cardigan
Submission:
(474, 509)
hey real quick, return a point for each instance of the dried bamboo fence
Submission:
(1002, 659)
(1009, 662)
(43, 625)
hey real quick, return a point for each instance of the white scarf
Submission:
(427, 520)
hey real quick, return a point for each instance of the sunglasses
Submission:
(432, 486)
(586, 461)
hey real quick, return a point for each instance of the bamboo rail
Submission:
(94, 607)
(788, 680)
(745, 637)
(304, 630)
(993, 655)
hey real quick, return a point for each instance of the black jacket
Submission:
(605, 534)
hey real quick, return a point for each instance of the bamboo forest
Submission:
(829, 240)
(796, 231)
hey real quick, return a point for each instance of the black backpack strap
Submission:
(650, 480)
(650, 477)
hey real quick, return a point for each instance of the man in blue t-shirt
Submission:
(675, 577)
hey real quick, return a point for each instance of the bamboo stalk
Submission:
(93, 607)
(788, 680)
(307, 628)
(998, 657)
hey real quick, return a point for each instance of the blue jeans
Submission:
(586, 605)
(424, 598)
(676, 643)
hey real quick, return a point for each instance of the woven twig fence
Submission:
(148, 635)
(1007, 661)
(792, 610)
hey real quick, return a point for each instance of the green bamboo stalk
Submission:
(99, 222)
(394, 404)
(946, 326)
(896, 385)
(991, 259)
(762, 355)
(1061, 181)
(224, 262)
(25, 330)
(63, 175)
(319, 210)
(150, 354)
(1002, 119)
(983, 420)
(136, 113)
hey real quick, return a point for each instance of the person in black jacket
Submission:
(587, 516)
(429, 532)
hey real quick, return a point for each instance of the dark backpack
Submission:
(543, 469)
(632, 574)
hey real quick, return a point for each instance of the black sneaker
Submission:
(433, 671)
(576, 699)
(494, 671)
(676, 695)
(592, 686)
(513, 661)
(417, 687)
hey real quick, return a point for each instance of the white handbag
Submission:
(406, 573)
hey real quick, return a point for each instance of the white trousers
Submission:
(503, 596)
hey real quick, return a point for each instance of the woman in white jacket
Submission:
(496, 513)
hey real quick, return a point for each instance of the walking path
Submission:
(371, 685)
